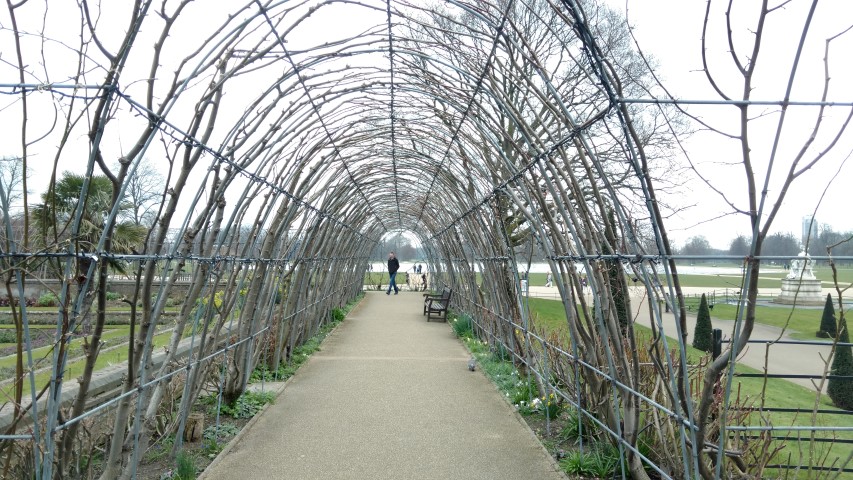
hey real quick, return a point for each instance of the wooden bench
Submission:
(437, 304)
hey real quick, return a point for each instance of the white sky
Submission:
(671, 32)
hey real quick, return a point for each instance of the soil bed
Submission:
(39, 337)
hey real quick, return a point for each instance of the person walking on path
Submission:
(549, 281)
(393, 266)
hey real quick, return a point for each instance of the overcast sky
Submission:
(671, 31)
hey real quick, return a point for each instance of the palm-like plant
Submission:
(54, 218)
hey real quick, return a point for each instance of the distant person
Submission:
(423, 278)
(550, 280)
(393, 266)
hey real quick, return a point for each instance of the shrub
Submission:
(500, 353)
(8, 335)
(840, 390)
(462, 326)
(578, 426)
(551, 407)
(185, 467)
(338, 315)
(600, 462)
(605, 460)
(113, 296)
(577, 463)
(160, 449)
(248, 404)
(5, 301)
(703, 334)
(214, 432)
(828, 323)
(524, 392)
(47, 300)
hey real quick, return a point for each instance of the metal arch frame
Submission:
(310, 195)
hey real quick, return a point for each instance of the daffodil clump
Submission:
(551, 407)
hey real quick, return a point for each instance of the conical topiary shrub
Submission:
(828, 321)
(703, 334)
(841, 389)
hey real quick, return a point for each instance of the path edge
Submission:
(519, 418)
(278, 392)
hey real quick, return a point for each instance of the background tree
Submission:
(11, 179)
(828, 323)
(143, 194)
(739, 246)
(11, 192)
(703, 334)
(697, 246)
(781, 244)
(830, 238)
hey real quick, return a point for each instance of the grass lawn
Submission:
(767, 279)
(800, 323)
(822, 271)
(722, 282)
(549, 315)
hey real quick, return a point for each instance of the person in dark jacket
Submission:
(393, 266)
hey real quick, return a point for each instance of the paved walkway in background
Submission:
(388, 396)
(779, 358)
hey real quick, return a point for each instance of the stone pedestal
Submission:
(806, 291)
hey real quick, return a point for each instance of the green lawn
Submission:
(550, 316)
(822, 272)
(801, 323)
(767, 278)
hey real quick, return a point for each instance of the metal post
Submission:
(717, 347)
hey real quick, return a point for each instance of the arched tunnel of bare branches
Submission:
(237, 166)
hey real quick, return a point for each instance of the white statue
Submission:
(801, 267)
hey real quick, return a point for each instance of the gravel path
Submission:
(389, 396)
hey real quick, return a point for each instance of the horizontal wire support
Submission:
(740, 103)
